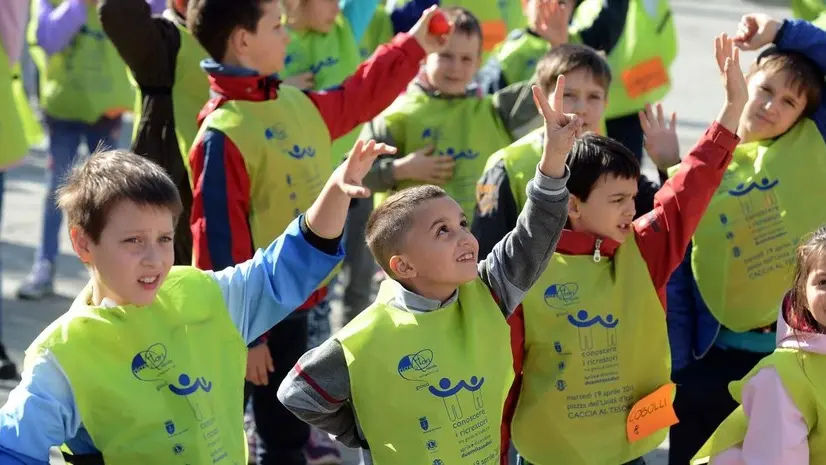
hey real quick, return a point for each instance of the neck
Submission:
(232, 59)
(434, 291)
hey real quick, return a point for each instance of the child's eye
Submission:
(766, 89)
(165, 239)
(442, 230)
(821, 282)
(132, 240)
(463, 224)
(789, 102)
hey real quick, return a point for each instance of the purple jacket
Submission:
(57, 25)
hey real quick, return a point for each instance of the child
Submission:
(548, 26)
(421, 375)
(591, 338)
(445, 127)
(782, 397)
(722, 299)
(84, 92)
(181, 330)
(261, 157)
(163, 58)
(500, 191)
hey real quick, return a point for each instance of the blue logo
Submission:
(414, 367)
(299, 152)
(585, 325)
(170, 427)
(448, 391)
(561, 295)
(558, 347)
(431, 445)
(438, 462)
(743, 189)
(561, 385)
(324, 63)
(178, 449)
(151, 364)
(275, 132)
(582, 320)
(189, 387)
(435, 135)
(423, 423)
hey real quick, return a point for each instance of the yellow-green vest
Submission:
(744, 247)
(84, 81)
(430, 387)
(19, 128)
(159, 383)
(595, 343)
(802, 374)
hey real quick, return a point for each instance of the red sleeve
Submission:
(220, 203)
(372, 88)
(664, 233)
(516, 321)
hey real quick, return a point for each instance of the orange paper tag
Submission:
(651, 414)
(493, 33)
(645, 77)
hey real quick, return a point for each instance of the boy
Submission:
(181, 330)
(163, 58)
(578, 379)
(723, 298)
(84, 92)
(548, 26)
(500, 191)
(445, 127)
(421, 376)
(261, 157)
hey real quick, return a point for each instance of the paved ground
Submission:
(696, 97)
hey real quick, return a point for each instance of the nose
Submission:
(151, 255)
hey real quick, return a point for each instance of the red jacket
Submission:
(221, 184)
(662, 235)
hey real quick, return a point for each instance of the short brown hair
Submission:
(388, 225)
(464, 22)
(93, 187)
(802, 75)
(567, 58)
(213, 21)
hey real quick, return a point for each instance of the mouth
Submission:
(467, 257)
(150, 283)
(624, 228)
(764, 119)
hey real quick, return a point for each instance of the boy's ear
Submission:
(402, 268)
(574, 211)
(82, 244)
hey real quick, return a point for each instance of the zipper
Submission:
(597, 256)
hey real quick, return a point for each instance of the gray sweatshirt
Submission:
(320, 394)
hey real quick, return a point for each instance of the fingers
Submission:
(263, 376)
(660, 116)
(354, 191)
(541, 103)
(269, 364)
(559, 93)
(673, 125)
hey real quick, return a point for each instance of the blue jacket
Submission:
(692, 329)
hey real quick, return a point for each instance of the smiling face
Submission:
(451, 70)
(439, 252)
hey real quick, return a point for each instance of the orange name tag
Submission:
(645, 77)
(651, 414)
(493, 33)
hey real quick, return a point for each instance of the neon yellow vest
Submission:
(803, 375)
(428, 386)
(744, 248)
(595, 343)
(85, 80)
(646, 49)
(379, 31)
(286, 150)
(19, 129)
(156, 384)
(808, 9)
(331, 57)
(519, 54)
(466, 128)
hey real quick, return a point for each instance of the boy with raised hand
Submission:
(423, 373)
(168, 344)
(500, 192)
(590, 339)
(261, 157)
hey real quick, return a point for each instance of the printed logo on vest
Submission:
(416, 367)
(433, 136)
(562, 295)
(298, 152)
(196, 393)
(585, 324)
(449, 395)
(152, 364)
(328, 62)
(756, 206)
(276, 132)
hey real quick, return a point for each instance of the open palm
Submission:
(358, 164)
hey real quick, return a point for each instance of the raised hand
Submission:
(728, 62)
(349, 175)
(756, 30)
(552, 21)
(431, 43)
(423, 166)
(661, 140)
(560, 130)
